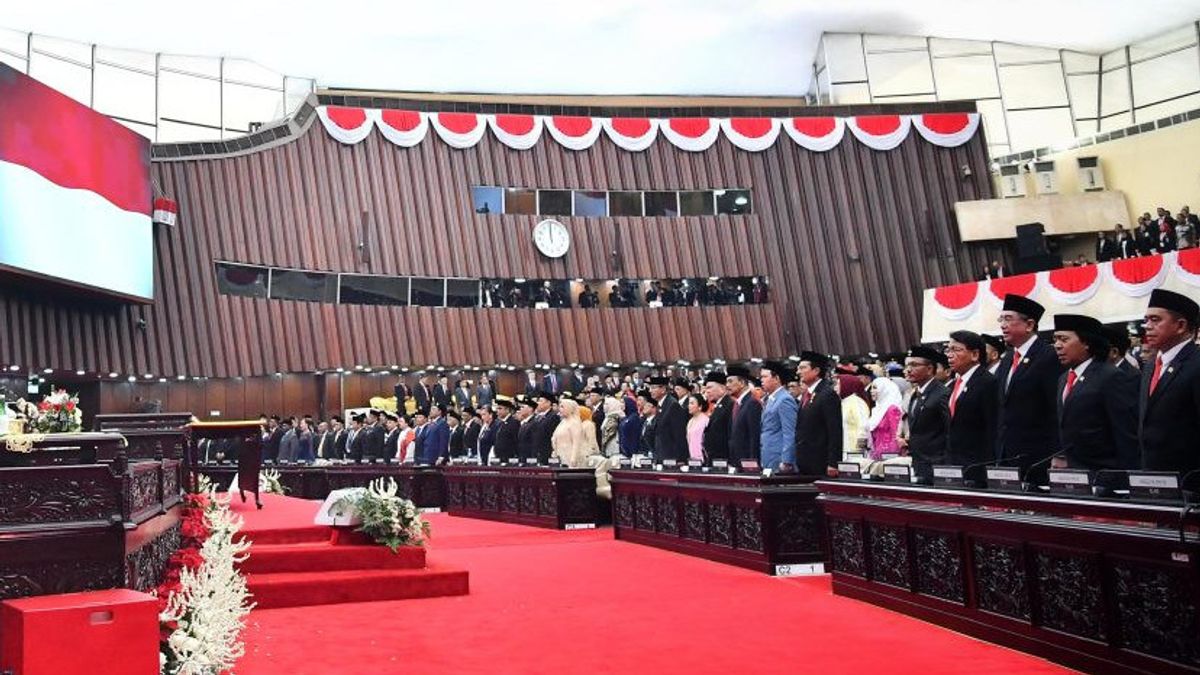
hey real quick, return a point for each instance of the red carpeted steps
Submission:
(296, 589)
(321, 557)
(288, 535)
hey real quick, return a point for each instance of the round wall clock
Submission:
(552, 238)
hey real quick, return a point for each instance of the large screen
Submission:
(75, 193)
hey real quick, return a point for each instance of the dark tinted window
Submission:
(661, 204)
(462, 293)
(696, 203)
(520, 201)
(589, 203)
(428, 292)
(360, 289)
(487, 200)
(733, 201)
(309, 286)
(554, 202)
(244, 280)
(624, 203)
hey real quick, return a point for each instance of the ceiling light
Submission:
(79, 372)
(181, 377)
(162, 379)
(47, 371)
(132, 378)
(741, 201)
(148, 376)
(14, 368)
(112, 374)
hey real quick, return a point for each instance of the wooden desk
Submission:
(542, 496)
(746, 520)
(1098, 585)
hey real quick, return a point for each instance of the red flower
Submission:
(70, 405)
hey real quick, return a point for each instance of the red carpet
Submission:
(293, 564)
(544, 601)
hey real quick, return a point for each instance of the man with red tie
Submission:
(1095, 400)
(1169, 404)
(1027, 434)
(971, 407)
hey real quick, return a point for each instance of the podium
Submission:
(247, 435)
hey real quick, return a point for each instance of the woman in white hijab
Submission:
(884, 423)
(573, 440)
(610, 436)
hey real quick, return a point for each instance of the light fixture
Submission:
(341, 370)
(132, 378)
(112, 374)
(181, 377)
(358, 367)
(196, 378)
(14, 368)
(148, 376)
(278, 374)
(79, 372)
(162, 379)
(741, 200)
(395, 367)
(47, 371)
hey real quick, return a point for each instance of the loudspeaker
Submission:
(1031, 240)
(1037, 263)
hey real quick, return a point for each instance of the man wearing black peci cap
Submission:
(1169, 400)
(1027, 386)
(505, 445)
(1118, 351)
(720, 416)
(819, 420)
(1096, 427)
(745, 418)
(995, 349)
(926, 413)
(971, 407)
(527, 432)
(778, 444)
(545, 421)
(670, 425)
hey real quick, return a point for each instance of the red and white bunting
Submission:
(880, 132)
(1137, 277)
(1187, 266)
(345, 125)
(816, 133)
(1021, 284)
(459, 130)
(166, 211)
(574, 133)
(754, 134)
(957, 302)
(1073, 285)
(631, 133)
(635, 134)
(948, 130)
(694, 134)
(519, 132)
(405, 128)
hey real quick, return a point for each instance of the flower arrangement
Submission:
(203, 599)
(387, 518)
(57, 413)
(268, 483)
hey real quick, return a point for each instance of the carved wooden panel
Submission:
(471, 495)
(548, 501)
(1156, 611)
(170, 475)
(693, 520)
(1069, 593)
(668, 515)
(59, 499)
(797, 527)
(145, 566)
(63, 576)
(491, 496)
(454, 495)
(509, 498)
(720, 525)
(528, 499)
(142, 492)
(644, 513)
(579, 503)
(749, 528)
(623, 509)
(846, 547)
(889, 555)
(1001, 586)
(939, 564)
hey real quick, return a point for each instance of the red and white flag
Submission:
(74, 191)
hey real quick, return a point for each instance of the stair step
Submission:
(302, 589)
(323, 557)
(288, 535)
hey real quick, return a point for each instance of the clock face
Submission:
(552, 238)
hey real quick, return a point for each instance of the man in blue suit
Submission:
(436, 441)
(778, 431)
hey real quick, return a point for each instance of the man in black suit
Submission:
(527, 433)
(356, 439)
(505, 445)
(457, 447)
(574, 383)
(338, 449)
(420, 428)
(322, 441)
(531, 384)
(488, 426)
(374, 435)
(745, 425)
(441, 392)
(819, 420)
(648, 409)
(1118, 351)
(402, 392)
(423, 392)
(463, 398)
(274, 438)
(971, 407)
(1169, 401)
(391, 437)
(1096, 427)
(551, 383)
(545, 421)
(1027, 381)
(472, 427)
(720, 416)
(926, 415)
(670, 424)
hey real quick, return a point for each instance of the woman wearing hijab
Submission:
(631, 427)
(854, 413)
(573, 440)
(697, 409)
(884, 423)
(610, 428)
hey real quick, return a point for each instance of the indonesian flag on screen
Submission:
(74, 191)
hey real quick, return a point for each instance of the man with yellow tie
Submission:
(1169, 403)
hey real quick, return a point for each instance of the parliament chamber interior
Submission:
(687, 337)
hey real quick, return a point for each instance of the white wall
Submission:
(165, 97)
(1030, 97)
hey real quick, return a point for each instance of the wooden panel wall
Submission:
(848, 238)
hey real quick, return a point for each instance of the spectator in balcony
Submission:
(1164, 219)
(998, 271)
(1106, 248)
(588, 298)
(1147, 236)
(1126, 245)
(654, 292)
(1166, 236)
(1184, 231)
(1081, 260)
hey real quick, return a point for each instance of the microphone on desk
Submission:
(1026, 485)
(978, 465)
